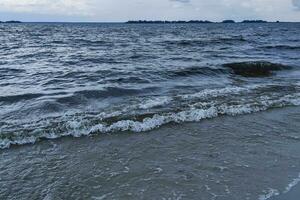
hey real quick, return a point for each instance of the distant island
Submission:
(254, 21)
(228, 21)
(11, 22)
(190, 22)
(168, 22)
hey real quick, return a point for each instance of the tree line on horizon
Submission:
(191, 21)
(12, 21)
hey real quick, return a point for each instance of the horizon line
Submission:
(141, 21)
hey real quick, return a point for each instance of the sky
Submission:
(124, 10)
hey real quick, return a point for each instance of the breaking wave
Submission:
(115, 122)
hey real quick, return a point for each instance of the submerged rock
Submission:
(255, 68)
(228, 21)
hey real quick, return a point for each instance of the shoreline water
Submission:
(171, 112)
(292, 191)
(208, 159)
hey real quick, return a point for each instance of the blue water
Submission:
(80, 79)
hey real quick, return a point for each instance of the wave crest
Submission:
(77, 128)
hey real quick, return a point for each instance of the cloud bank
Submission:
(120, 10)
(296, 3)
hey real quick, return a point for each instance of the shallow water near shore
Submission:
(149, 111)
(212, 159)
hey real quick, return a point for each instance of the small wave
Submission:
(79, 128)
(79, 97)
(92, 42)
(197, 71)
(16, 98)
(11, 70)
(101, 60)
(229, 39)
(128, 79)
(281, 47)
(108, 92)
(142, 57)
(184, 43)
(201, 42)
(219, 92)
(58, 42)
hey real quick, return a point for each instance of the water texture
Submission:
(80, 79)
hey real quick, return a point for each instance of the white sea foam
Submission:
(216, 92)
(273, 192)
(270, 193)
(79, 128)
(151, 103)
(233, 90)
(192, 115)
(295, 182)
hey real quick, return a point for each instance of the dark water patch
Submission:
(204, 42)
(255, 68)
(102, 60)
(73, 100)
(184, 59)
(72, 74)
(3, 62)
(276, 89)
(11, 70)
(262, 34)
(281, 47)
(142, 57)
(49, 107)
(131, 79)
(71, 62)
(56, 81)
(21, 97)
(58, 42)
(229, 39)
(81, 97)
(108, 92)
(92, 42)
(36, 55)
(183, 43)
(193, 71)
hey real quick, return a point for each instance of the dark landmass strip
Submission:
(11, 22)
(168, 22)
(254, 21)
(255, 68)
(191, 21)
(228, 21)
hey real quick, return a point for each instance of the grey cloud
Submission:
(296, 3)
(182, 1)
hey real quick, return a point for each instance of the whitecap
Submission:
(151, 103)
(291, 185)
(270, 193)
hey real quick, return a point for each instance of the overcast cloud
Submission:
(121, 10)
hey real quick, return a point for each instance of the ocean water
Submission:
(124, 81)
(80, 79)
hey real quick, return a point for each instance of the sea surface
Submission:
(111, 81)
